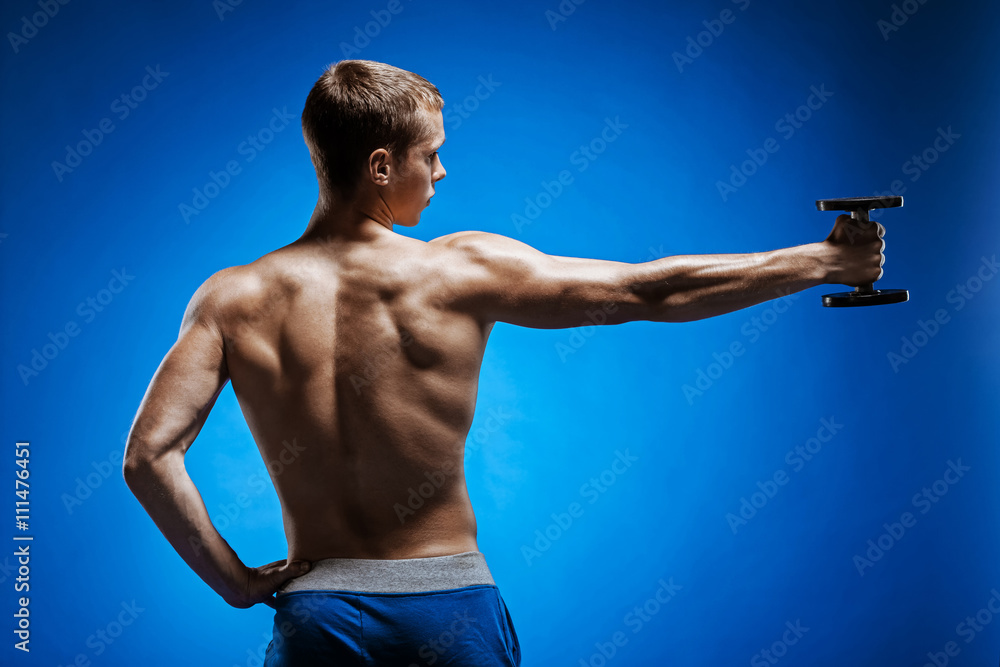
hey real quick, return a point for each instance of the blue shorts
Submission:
(442, 610)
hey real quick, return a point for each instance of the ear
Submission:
(379, 167)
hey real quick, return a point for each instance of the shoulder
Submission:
(226, 293)
(484, 247)
(472, 239)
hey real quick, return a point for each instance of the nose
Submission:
(440, 173)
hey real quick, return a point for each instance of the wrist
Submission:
(820, 261)
(234, 590)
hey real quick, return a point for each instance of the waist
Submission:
(399, 575)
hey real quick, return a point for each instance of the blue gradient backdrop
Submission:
(563, 402)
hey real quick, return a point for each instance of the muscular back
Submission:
(357, 375)
(356, 359)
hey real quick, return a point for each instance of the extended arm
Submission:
(176, 405)
(511, 282)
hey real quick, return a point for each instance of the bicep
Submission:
(181, 393)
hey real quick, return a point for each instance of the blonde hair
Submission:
(358, 106)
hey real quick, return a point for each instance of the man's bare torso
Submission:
(357, 377)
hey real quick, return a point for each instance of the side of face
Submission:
(412, 178)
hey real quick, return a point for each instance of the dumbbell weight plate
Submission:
(879, 297)
(858, 203)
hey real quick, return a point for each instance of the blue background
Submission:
(651, 192)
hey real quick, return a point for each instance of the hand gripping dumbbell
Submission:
(864, 295)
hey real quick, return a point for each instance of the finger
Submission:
(881, 230)
(270, 581)
(275, 578)
(299, 567)
(271, 601)
(272, 566)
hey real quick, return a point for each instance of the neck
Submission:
(347, 217)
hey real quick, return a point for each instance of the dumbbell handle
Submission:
(863, 295)
(861, 217)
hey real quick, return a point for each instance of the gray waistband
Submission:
(406, 575)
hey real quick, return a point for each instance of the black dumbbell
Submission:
(865, 295)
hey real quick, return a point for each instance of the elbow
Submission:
(133, 460)
(134, 469)
(145, 476)
(139, 464)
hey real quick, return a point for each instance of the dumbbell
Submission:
(864, 295)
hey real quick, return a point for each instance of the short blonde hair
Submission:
(358, 106)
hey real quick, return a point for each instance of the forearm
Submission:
(168, 495)
(683, 288)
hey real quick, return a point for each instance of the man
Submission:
(363, 347)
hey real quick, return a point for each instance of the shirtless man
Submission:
(363, 347)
